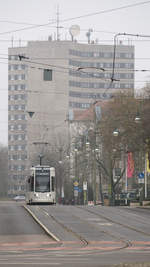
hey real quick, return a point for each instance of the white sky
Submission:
(134, 20)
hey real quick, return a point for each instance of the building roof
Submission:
(88, 114)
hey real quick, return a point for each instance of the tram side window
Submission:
(53, 184)
(31, 183)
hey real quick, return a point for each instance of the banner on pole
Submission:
(130, 165)
(148, 161)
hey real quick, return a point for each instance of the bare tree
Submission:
(121, 115)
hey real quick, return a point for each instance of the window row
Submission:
(17, 127)
(101, 85)
(15, 57)
(18, 177)
(100, 54)
(17, 157)
(19, 77)
(79, 105)
(109, 65)
(17, 167)
(16, 87)
(17, 97)
(16, 107)
(16, 188)
(17, 67)
(103, 75)
(17, 147)
(17, 137)
(16, 117)
(90, 95)
(47, 75)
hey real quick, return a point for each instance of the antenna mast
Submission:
(57, 26)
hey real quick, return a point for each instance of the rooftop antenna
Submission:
(20, 42)
(57, 26)
(74, 30)
(88, 34)
(12, 41)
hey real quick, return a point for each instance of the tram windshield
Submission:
(42, 183)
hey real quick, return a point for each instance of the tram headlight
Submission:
(48, 195)
(36, 194)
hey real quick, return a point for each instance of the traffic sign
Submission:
(75, 193)
(76, 183)
(141, 178)
(85, 186)
(141, 175)
(76, 188)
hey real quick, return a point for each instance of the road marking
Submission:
(94, 219)
(105, 224)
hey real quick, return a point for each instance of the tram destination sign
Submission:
(41, 171)
(42, 168)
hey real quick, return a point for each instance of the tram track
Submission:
(83, 240)
(113, 221)
(107, 239)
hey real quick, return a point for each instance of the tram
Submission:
(41, 185)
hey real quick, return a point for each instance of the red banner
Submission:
(130, 165)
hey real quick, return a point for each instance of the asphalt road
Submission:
(85, 236)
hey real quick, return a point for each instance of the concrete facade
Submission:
(76, 76)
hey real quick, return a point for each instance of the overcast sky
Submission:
(105, 22)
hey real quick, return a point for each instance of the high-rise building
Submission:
(47, 79)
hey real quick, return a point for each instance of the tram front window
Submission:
(42, 184)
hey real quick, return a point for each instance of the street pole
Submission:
(94, 177)
(41, 156)
(85, 192)
(126, 185)
(76, 177)
(145, 176)
(94, 161)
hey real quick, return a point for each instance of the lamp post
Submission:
(76, 183)
(93, 151)
(94, 177)
(129, 160)
(95, 187)
(145, 177)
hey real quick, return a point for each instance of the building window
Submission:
(11, 137)
(13, 57)
(79, 105)
(11, 127)
(47, 75)
(15, 87)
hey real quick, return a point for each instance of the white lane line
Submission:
(105, 224)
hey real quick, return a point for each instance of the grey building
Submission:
(47, 79)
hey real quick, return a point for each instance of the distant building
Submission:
(48, 79)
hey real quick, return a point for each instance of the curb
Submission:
(42, 225)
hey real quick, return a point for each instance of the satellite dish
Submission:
(74, 31)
